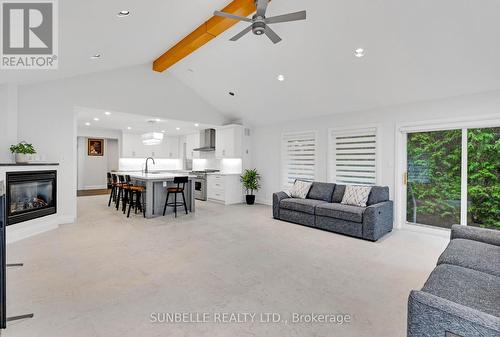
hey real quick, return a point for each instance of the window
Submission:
(298, 157)
(353, 156)
(452, 177)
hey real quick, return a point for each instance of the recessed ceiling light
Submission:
(88, 124)
(158, 120)
(96, 56)
(232, 93)
(281, 78)
(129, 128)
(96, 119)
(122, 14)
(177, 128)
(107, 113)
(196, 124)
(163, 131)
(360, 52)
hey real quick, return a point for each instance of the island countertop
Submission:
(155, 176)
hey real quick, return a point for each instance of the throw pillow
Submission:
(300, 189)
(356, 195)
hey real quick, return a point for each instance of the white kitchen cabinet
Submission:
(192, 142)
(171, 146)
(228, 142)
(224, 188)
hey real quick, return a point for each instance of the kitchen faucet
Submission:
(147, 159)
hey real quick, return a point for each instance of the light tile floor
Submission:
(105, 275)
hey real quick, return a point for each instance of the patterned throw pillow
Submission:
(300, 189)
(356, 195)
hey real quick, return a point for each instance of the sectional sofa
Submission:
(461, 297)
(322, 209)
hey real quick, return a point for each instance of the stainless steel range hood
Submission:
(207, 140)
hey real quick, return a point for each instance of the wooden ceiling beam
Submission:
(203, 34)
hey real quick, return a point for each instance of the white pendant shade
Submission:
(152, 138)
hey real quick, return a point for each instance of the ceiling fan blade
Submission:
(287, 17)
(272, 35)
(240, 34)
(232, 16)
(262, 7)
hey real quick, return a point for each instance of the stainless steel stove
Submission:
(200, 184)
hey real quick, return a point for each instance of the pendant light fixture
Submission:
(152, 138)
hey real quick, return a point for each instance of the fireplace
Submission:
(30, 195)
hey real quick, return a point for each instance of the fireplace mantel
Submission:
(29, 164)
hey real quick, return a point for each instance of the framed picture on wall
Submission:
(95, 147)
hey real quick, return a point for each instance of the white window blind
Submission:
(353, 156)
(298, 157)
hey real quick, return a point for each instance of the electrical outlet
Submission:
(164, 184)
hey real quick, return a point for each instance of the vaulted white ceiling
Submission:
(415, 50)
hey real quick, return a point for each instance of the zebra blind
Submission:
(354, 157)
(298, 157)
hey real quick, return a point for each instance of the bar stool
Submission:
(109, 180)
(121, 191)
(137, 199)
(114, 188)
(127, 184)
(175, 191)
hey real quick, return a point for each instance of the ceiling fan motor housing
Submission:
(259, 26)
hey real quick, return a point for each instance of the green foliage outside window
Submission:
(434, 177)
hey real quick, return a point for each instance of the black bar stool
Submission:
(121, 192)
(175, 191)
(114, 188)
(137, 199)
(110, 180)
(127, 185)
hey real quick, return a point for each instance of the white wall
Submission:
(92, 170)
(266, 140)
(46, 113)
(8, 120)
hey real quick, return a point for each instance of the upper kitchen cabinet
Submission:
(171, 147)
(192, 142)
(229, 142)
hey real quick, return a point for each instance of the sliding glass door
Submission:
(453, 177)
(483, 177)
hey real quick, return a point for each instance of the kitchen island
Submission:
(156, 191)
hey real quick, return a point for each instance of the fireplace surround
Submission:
(30, 195)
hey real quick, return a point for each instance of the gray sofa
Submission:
(322, 209)
(461, 297)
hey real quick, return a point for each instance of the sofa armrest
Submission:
(430, 315)
(277, 197)
(490, 236)
(377, 220)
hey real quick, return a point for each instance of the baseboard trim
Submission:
(96, 187)
(34, 227)
(264, 202)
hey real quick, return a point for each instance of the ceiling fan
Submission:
(259, 22)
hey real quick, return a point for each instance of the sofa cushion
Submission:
(300, 189)
(378, 194)
(300, 205)
(473, 255)
(321, 191)
(339, 211)
(465, 286)
(338, 193)
(356, 195)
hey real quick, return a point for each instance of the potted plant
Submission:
(250, 180)
(23, 152)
